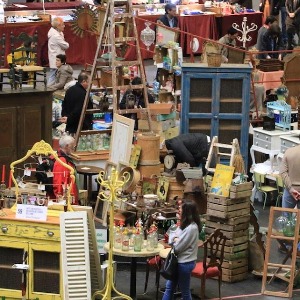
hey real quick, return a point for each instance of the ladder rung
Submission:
(223, 145)
(282, 277)
(121, 63)
(83, 132)
(109, 45)
(132, 110)
(122, 15)
(288, 238)
(132, 87)
(94, 111)
(224, 154)
(279, 265)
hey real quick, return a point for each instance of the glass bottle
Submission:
(150, 242)
(138, 241)
(202, 233)
(117, 238)
(125, 241)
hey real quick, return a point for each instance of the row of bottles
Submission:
(94, 142)
(126, 238)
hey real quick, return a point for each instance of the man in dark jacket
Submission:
(73, 103)
(191, 148)
(169, 18)
(292, 21)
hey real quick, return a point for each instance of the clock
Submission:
(169, 162)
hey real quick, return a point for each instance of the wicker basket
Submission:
(214, 59)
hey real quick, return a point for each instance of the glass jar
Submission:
(138, 242)
(125, 242)
(289, 228)
(118, 240)
(150, 242)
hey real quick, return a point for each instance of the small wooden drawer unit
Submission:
(288, 142)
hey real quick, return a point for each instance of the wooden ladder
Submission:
(291, 255)
(118, 14)
(218, 151)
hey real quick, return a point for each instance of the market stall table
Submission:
(134, 255)
(270, 80)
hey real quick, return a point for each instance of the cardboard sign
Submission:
(31, 212)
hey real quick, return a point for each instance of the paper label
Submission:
(27, 172)
(31, 212)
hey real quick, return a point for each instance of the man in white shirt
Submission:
(56, 45)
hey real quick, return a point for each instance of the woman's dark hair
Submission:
(232, 31)
(189, 214)
(27, 43)
(62, 58)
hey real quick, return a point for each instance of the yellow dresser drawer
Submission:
(31, 230)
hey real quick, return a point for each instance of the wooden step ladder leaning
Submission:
(291, 255)
(218, 151)
(118, 30)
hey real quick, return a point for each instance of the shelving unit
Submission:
(281, 111)
(216, 102)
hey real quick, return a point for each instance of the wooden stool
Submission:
(88, 172)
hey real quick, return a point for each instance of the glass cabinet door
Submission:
(45, 271)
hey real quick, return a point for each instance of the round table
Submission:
(134, 255)
(88, 172)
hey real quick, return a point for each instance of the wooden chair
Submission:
(261, 186)
(4, 72)
(24, 63)
(211, 266)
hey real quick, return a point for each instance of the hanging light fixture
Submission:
(147, 35)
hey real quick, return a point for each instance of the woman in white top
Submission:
(185, 243)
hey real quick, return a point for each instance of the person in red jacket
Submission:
(61, 175)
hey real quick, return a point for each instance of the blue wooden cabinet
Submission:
(216, 101)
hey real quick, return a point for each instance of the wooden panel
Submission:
(8, 137)
(30, 127)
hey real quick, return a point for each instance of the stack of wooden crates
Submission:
(232, 215)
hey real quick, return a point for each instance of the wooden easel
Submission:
(291, 255)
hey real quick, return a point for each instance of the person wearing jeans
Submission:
(289, 171)
(185, 243)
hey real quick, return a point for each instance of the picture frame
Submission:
(121, 140)
(168, 35)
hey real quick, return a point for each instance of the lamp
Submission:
(147, 35)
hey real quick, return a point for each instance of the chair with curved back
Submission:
(4, 71)
(261, 186)
(280, 189)
(24, 60)
(211, 266)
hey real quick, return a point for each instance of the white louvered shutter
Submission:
(75, 256)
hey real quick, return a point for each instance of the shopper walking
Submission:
(185, 243)
(292, 22)
(56, 45)
(289, 170)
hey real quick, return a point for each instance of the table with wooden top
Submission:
(134, 255)
(88, 172)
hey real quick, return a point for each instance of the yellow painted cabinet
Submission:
(44, 280)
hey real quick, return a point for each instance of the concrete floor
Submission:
(247, 289)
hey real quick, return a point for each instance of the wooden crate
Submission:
(229, 234)
(226, 208)
(232, 272)
(237, 191)
(234, 278)
(231, 221)
(227, 227)
(234, 264)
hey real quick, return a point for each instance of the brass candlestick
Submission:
(112, 188)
